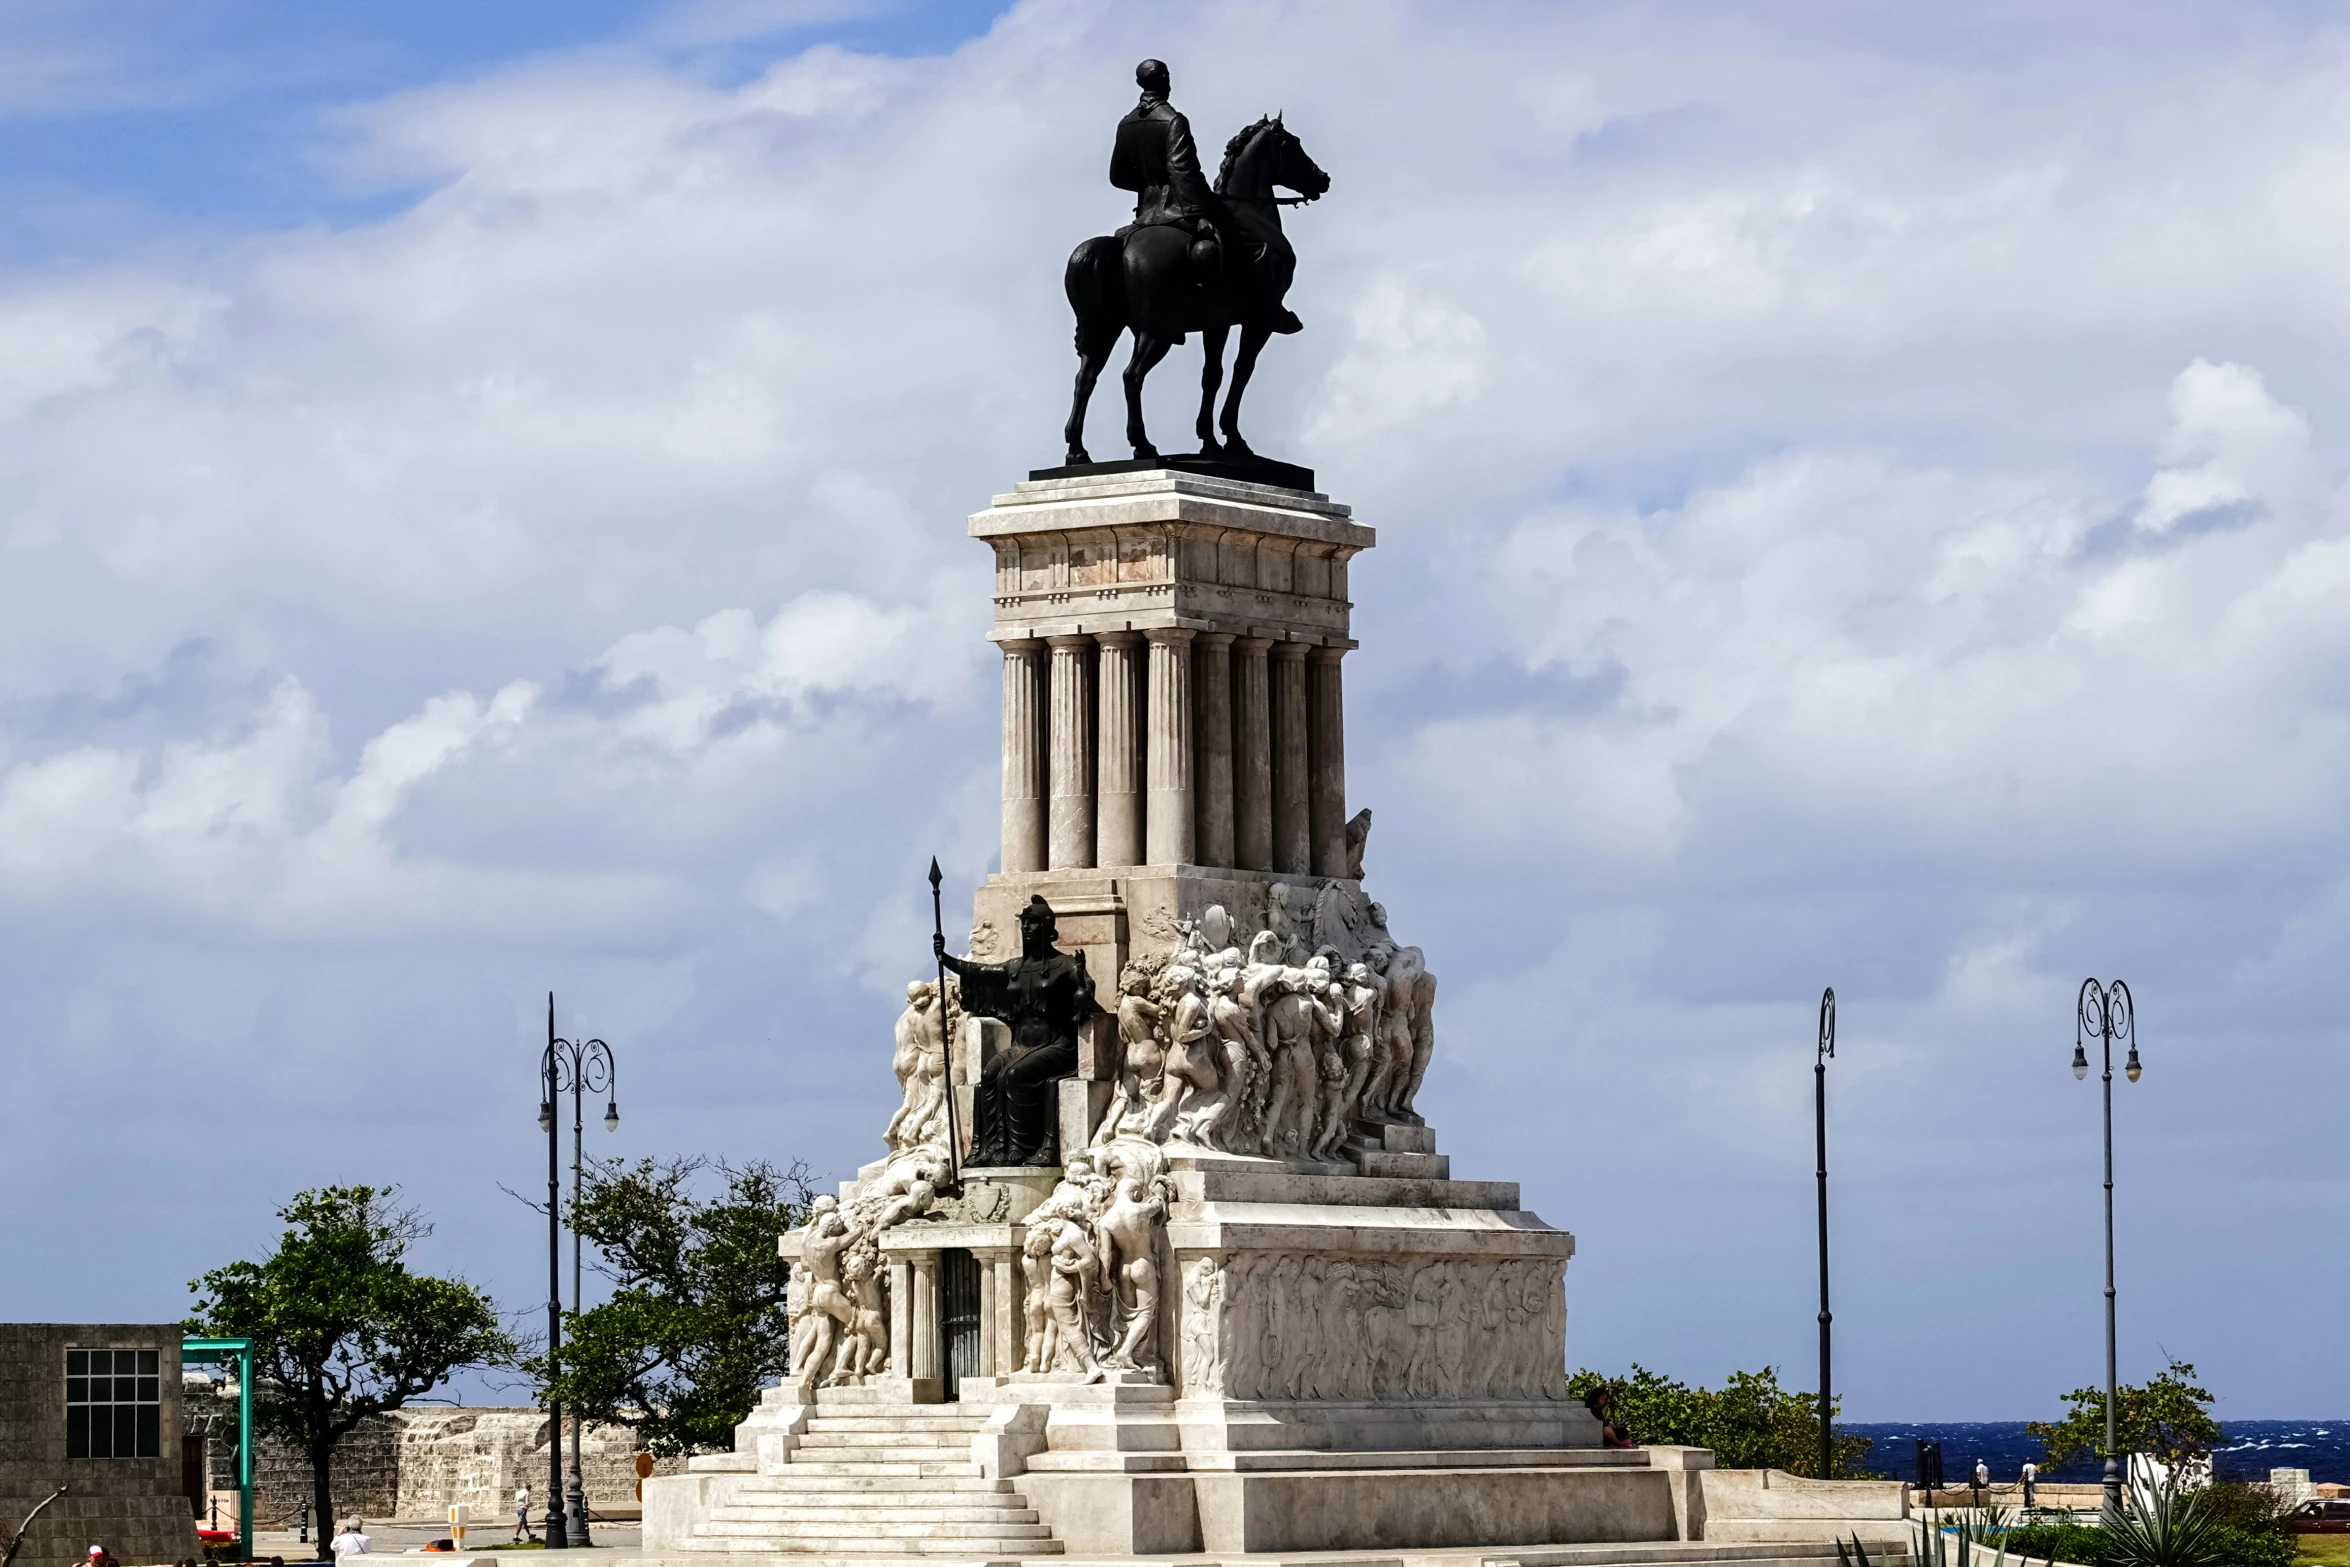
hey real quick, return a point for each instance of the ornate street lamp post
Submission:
(2106, 1013)
(1827, 1053)
(576, 1067)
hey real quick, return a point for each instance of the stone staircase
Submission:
(866, 1481)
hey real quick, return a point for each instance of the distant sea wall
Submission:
(416, 1463)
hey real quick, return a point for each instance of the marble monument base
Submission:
(1343, 1360)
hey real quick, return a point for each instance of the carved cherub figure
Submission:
(1142, 1059)
(1358, 1000)
(1358, 837)
(1041, 1333)
(864, 1348)
(908, 1189)
(920, 1064)
(1232, 1019)
(1193, 1089)
(1279, 925)
(1076, 1275)
(1411, 1001)
(1203, 1299)
(1297, 1021)
(1130, 1266)
(829, 1308)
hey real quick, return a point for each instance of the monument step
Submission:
(876, 1551)
(926, 1466)
(829, 1482)
(1424, 1166)
(812, 1530)
(865, 1399)
(945, 1509)
(879, 1546)
(909, 1420)
(1394, 1138)
(887, 1431)
(895, 1452)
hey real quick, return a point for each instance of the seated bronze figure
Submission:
(1045, 996)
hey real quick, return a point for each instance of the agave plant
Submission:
(2163, 1526)
(1979, 1538)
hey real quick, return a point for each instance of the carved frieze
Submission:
(1333, 1326)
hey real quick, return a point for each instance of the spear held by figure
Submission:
(946, 1039)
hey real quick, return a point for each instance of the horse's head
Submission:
(1265, 155)
(1291, 167)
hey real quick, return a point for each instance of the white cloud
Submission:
(1843, 515)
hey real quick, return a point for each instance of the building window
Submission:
(113, 1403)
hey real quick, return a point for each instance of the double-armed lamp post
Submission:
(576, 1067)
(2106, 1013)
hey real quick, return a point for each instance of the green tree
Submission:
(1751, 1423)
(341, 1329)
(2169, 1417)
(696, 1325)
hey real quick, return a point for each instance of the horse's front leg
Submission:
(1244, 364)
(1211, 377)
(1148, 351)
(1090, 359)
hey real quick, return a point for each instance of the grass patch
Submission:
(2321, 1550)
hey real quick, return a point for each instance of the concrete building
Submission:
(95, 1407)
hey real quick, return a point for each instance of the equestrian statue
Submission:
(1196, 258)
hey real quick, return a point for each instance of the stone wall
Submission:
(366, 1475)
(415, 1463)
(135, 1507)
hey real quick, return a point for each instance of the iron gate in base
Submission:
(958, 1316)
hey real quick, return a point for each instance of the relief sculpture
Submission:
(1279, 1326)
(1281, 1043)
(838, 1303)
(1092, 1265)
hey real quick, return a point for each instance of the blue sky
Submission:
(140, 124)
(1860, 502)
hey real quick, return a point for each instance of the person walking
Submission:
(1982, 1479)
(2031, 1485)
(522, 1534)
(351, 1542)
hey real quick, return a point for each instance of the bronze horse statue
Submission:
(1155, 284)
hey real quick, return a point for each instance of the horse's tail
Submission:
(1097, 294)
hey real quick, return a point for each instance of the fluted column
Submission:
(1118, 679)
(1071, 846)
(1173, 839)
(1211, 671)
(1326, 759)
(1293, 830)
(922, 1318)
(1252, 755)
(1024, 756)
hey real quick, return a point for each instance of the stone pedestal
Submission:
(1191, 705)
(1255, 1312)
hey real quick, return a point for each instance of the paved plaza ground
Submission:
(399, 1538)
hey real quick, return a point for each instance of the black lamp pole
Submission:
(1827, 1053)
(574, 1067)
(2106, 1013)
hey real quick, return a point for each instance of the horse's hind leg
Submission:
(1092, 354)
(1211, 377)
(1148, 351)
(1244, 364)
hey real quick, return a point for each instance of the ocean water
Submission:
(2254, 1448)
